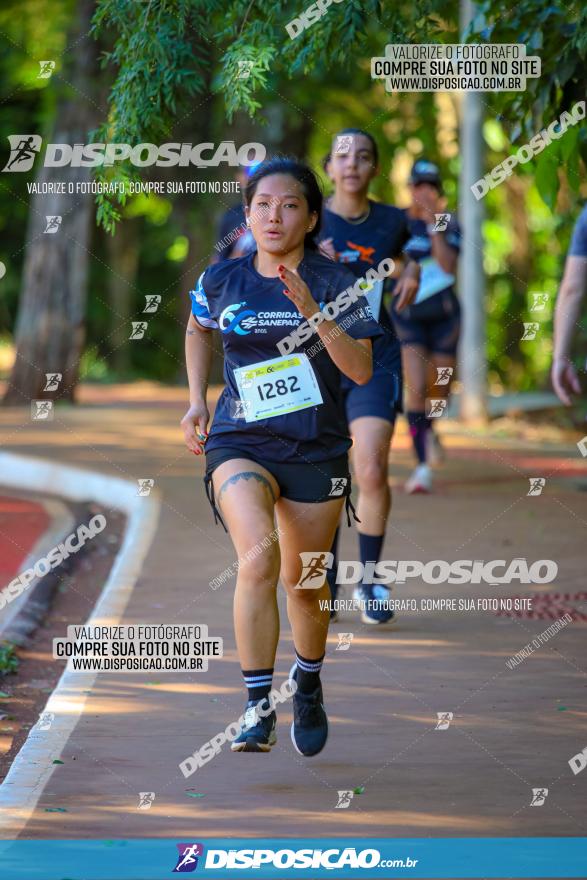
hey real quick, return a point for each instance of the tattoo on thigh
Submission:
(245, 475)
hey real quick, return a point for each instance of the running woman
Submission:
(429, 328)
(361, 233)
(278, 444)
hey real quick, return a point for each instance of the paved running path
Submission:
(512, 729)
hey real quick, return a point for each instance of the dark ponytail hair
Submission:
(366, 134)
(300, 172)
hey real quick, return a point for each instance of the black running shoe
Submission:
(309, 730)
(258, 728)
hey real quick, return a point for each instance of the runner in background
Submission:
(567, 313)
(278, 444)
(360, 233)
(429, 328)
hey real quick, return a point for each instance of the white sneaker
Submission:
(435, 454)
(420, 481)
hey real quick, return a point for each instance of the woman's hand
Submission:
(406, 286)
(326, 247)
(194, 426)
(564, 380)
(298, 292)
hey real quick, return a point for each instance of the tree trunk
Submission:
(123, 260)
(50, 325)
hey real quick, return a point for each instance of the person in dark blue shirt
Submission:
(292, 324)
(429, 328)
(359, 233)
(568, 313)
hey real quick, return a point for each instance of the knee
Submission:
(371, 474)
(258, 570)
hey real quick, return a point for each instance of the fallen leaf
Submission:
(57, 761)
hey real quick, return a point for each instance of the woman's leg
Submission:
(306, 528)
(416, 361)
(371, 440)
(246, 493)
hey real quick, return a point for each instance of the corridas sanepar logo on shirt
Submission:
(240, 318)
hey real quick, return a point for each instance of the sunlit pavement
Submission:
(512, 729)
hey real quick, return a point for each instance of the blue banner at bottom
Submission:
(273, 858)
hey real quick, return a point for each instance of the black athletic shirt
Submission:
(253, 315)
(362, 246)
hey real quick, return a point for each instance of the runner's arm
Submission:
(443, 252)
(566, 318)
(352, 356)
(198, 358)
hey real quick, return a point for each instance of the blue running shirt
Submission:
(579, 241)
(253, 315)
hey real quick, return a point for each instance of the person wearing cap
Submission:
(429, 328)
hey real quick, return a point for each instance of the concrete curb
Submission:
(32, 767)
